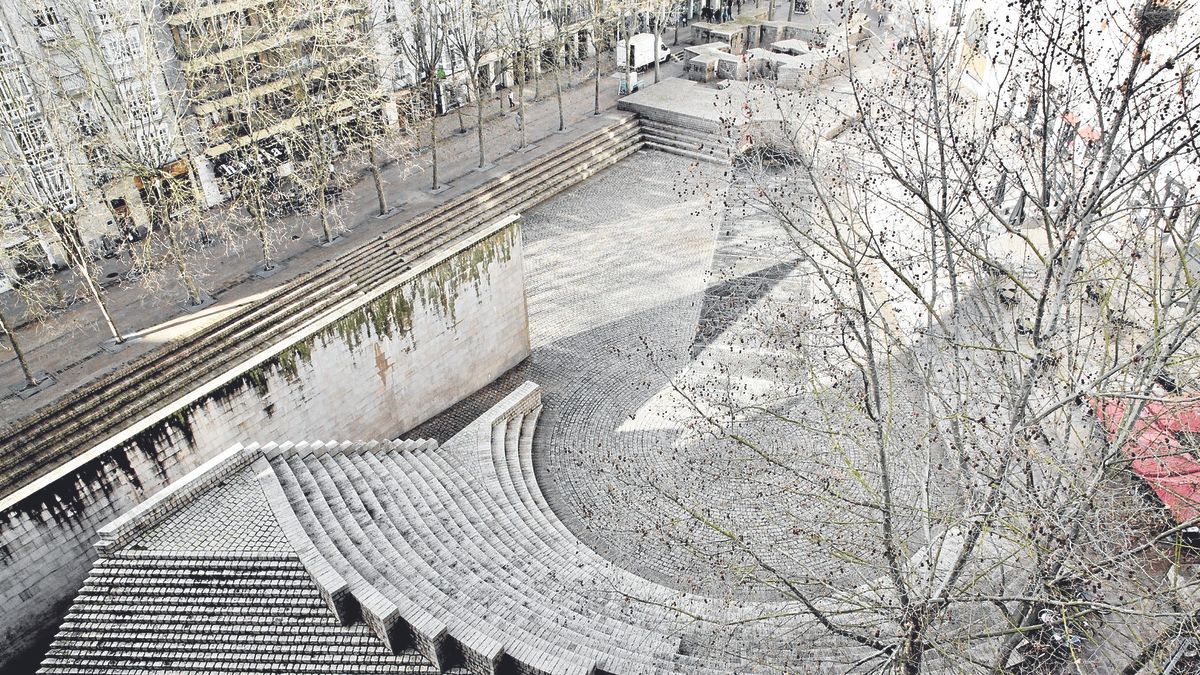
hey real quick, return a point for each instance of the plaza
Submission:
(860, 341)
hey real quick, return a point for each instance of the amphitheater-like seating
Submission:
(457, 552)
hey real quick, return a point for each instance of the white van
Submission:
(642, 51)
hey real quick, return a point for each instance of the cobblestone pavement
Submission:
(655, 311)
(234, 516)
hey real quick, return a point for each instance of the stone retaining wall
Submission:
(374, 367)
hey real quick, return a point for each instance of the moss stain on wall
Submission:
(388, 316)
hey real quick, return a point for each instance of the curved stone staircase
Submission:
(457, 553)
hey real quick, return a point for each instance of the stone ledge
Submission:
(119, 532)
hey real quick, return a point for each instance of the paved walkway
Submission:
(660, 299)
(68, 346)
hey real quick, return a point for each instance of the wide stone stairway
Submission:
(455, 550)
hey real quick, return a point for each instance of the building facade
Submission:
(110, 106)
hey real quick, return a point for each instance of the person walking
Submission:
(511, 102)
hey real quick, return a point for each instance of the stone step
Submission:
(521, 548)
(448, 540)
(680, 120)
(351, 525)
(383, 606)
(708, 146)
(379, 614)
(689, 154)
(684, 133)
(458, 552)
(697, 145)
(567, 552)
(494, 565)
(429, 529)
(391, 482)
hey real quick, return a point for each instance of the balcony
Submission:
(180, 12)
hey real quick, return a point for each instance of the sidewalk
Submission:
(68, 346)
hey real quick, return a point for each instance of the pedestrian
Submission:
(511, 103)
(705, 13)
(519, 121)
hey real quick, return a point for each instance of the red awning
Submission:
(1155, 451)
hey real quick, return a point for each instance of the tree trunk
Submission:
(30, 380)
(260, 225)
(770, 10)
(185, 275)
(521, 106)
(625, 55)
(71, 245)
(377, 177)
(479, 123)
(60, 296)
(657, 46)
(433, 135)
(79, 262)
(536, 63)
(791, 8)
(562, 122)
(323, 210)
(596, 77)
(677, 22)
(101, 303)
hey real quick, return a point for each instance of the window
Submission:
(30, 137)
(8, 53)
(101, 16)
(123, 48)
(89, 126)
(46, 16)
(152, 142)
(51, 181)
(141, 102)
(15, 96)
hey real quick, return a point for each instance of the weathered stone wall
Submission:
(372, 370)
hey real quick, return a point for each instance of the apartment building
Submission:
(32, 167)
(90, 128)
(255, 73)
(105, 102)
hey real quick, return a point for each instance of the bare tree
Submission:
(472, 28)
(519, 26)
(106, 69)
(40, 190)
(31, 380)
(659, 11)
(994, 243)
(562, 16)
(423, 44)
(598, 13)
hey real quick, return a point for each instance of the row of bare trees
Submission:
(143, 90)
